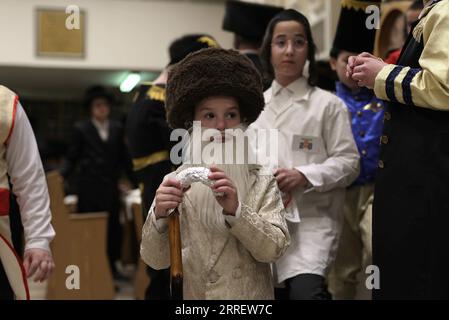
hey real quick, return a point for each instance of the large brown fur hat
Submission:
(212, 72)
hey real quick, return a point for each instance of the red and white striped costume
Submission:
(9, 259)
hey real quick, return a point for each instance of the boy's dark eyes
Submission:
(230, 115)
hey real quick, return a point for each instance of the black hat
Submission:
(212, 72)
(352, 33)
(181, 47)
(248, 20)
(97, 91)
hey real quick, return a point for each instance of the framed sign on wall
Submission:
(60, 33)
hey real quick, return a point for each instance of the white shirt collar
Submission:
(298, 89)
(102, 128)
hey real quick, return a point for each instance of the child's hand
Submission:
(365, 68)
(289, 179)
(168, 196)
(229, 201)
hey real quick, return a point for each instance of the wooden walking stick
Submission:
(174, 234)
(186, 177)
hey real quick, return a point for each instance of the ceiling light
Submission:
(130, 82)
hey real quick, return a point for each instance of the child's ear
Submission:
(333, 63)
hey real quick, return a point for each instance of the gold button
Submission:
(364, 152)
(387, 115)
(384, 139)
(381, 164)
(359, 113)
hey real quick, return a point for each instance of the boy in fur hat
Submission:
(148, 135)
(233, 229)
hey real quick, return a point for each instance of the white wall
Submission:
(120, 34)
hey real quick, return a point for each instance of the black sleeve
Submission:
(157, 119)
(126, 160)
(73, 153)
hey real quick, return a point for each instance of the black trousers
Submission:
(304, 287)
(6, 292)
(94, 196)
(159, 288)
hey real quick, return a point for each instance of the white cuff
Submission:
(38, 243)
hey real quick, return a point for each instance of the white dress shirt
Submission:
(29, 183)
(315, 138)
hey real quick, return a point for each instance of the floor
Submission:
(125, 288)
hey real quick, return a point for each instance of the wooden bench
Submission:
(80, 241)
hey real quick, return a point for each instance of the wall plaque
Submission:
(60, 33)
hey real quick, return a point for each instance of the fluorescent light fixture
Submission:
(130, 82)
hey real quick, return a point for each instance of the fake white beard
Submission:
(208, 210)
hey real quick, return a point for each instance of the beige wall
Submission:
(131, 34)
(120, 34)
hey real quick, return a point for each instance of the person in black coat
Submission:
(98, 151)
(411, 203)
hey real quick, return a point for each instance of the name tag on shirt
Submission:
(305, 144)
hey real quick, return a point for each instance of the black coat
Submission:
(147, 130)
(100, 164)
(148, 133)
(411, 201)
